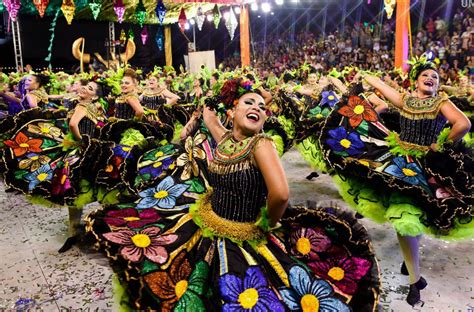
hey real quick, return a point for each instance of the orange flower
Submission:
(24, 144)
(358, 110)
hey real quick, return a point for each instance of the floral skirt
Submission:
(318, 257)
(386, 179)
(42, 160)
(172, 257)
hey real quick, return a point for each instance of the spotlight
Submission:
(192, 21)
(186, 26)
(210, 18)
(279, 2)
(237, 10)
(254, 7)
(266, 7)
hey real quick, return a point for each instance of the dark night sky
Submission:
(306, 15)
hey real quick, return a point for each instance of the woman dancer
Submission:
(430, 181)
(46, 158)
(230, 249)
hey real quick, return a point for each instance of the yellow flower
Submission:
(45, 129)
(187, 160)
(33, 162)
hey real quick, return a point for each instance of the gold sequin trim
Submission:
(410, 146)
(239, 231)
(416, 109)
(124, 98)
(275, 264)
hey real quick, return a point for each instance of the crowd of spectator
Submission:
(370, 47)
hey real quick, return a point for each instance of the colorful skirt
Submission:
(386, 179)
(41, 159)
(173, 253)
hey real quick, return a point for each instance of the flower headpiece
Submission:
(418, 65)
(229, 94)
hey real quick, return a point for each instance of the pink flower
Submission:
(131, 218)
(344, 272)
(307, 242)
(147, 242)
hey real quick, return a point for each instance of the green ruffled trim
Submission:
(86, 195)
(460, 232)
(287, 126)
(312, 154)
(132, 137)
(398, 150)
(262, 222)
(405, 218)
(121, 299)
(41, 201)
(277, 139)
(107, 198)
(69, 142)
(361, 198)
(178, 127)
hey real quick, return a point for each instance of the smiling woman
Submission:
(425, 168)
(226, 238)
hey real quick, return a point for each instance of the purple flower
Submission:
(345, 144)
(329, 98)
(248, 294)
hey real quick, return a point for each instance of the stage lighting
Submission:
(254, 7)
(187, 26)
(226, 15)
(237, 10)
(266, 7)
(192, 21)
(210, 18)
(279, 2)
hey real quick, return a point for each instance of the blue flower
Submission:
(345, 144)
(44, 173)
(122, 151)
(409, 172)
(163, 196)
(248, 294)
(329, 98)
(307, 293)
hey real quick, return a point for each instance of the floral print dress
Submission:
(197, 238)
(395, 177)
(42, 159)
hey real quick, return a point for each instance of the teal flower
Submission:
(164, 195)
(44, 173)
(310, 294)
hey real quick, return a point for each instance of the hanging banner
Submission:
(402, 34)
(244, 36)
(168, 50)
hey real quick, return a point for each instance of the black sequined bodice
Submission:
(153, 102)
(422, 131)
(87, 126)
(239, 190)
(420, 119)
(238, 196)
(124, 111)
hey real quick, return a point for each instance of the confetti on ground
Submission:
(34, 276)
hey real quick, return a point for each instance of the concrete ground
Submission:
(34, 276)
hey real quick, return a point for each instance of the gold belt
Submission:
(411, 146)
(239, 231)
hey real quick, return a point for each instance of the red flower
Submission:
(24, 144)
(131, 217)
(344, 272)
(358, 110)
